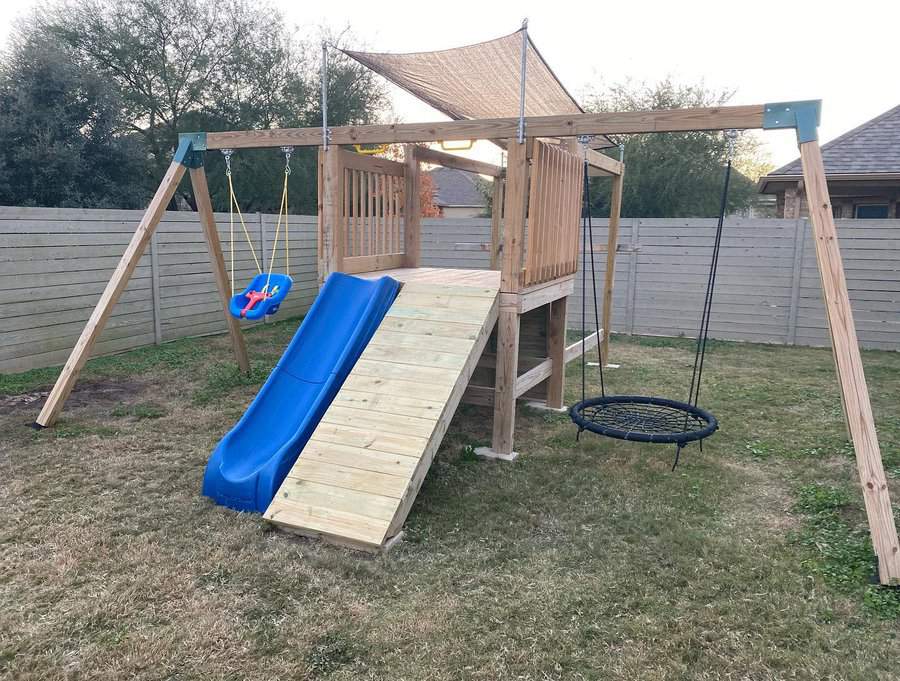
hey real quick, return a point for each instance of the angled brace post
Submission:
(804, 118)
(186, 155)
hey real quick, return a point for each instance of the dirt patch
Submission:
(85, 393)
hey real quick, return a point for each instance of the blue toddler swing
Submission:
(265, 293)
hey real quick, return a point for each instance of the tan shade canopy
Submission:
(476, 81)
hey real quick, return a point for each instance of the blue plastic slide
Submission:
(250, 463)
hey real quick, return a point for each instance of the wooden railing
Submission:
(371, 200)
(554, 207)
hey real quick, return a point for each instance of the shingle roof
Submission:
(873, 147)
(456, 188)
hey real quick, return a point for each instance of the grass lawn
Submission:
(578, 561)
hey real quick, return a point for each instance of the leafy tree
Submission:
(675, 174)
(183, 65)
(60, 128)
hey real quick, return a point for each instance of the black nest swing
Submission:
(640, 418)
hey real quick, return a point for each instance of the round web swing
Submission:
(640, 418)
(267, 290)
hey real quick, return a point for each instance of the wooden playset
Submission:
(490, 337)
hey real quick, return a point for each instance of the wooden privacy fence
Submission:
(372, 198)
(554, 207)
(768, 287)
(54, 264)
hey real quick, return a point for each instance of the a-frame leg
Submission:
(208, 221)
(111, 293)
(854, 391)
(615, 210)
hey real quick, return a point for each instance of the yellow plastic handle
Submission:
(371, 151)
(465, 146)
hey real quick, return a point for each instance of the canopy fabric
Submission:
(476, 81)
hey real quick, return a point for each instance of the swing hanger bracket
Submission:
(288, 152)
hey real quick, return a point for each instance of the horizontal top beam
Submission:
(446, 160)
(568, 125)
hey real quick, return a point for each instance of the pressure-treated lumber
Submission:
(412, 210)
(505, 382)
(580, 347)
(609, 166)
(360, 472)
(515, 208)
(615, 211)
(117, 283)
(441, 158)
(854, 391)
(556, 349)
(217, 260)
(331, 236)
(497, 194)
(567, 125)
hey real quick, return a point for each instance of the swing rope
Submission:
(703, 332)
(234, 206)
(282, 219)
(639, 418)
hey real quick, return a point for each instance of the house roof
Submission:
(456, 188)
(871, 148)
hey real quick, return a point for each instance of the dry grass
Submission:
(585, 560)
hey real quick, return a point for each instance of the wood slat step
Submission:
(416, 355)
(363, 459)
(386, 423)
(312, 519)
(388, 404)
(341, 434)
(345, 477)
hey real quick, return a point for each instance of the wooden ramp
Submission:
(357, 478)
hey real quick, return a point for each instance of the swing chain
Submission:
(731, 137)
(287, 151)
(227, 154)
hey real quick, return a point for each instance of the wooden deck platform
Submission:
(358, 476)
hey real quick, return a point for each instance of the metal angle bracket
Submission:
(191, 146)
(804, 116)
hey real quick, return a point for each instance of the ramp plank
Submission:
(358, 476)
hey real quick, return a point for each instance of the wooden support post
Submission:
(497, 221)
(220, 273)
(556, 347)
(854, 391)
(505, 385)
(412, 210)
(117, 283)
(515, 209)
(331, 237)
(615, 211)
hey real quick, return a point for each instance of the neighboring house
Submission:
(862, 168)
(456, 193)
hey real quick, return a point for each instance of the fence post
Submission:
(154, 287)
(631, 293)
(796, 276)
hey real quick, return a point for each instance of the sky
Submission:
(765, 52)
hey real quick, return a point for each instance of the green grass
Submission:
(585, 560)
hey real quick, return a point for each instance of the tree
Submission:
(183, 65)
(675, 174)
(60, 131)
